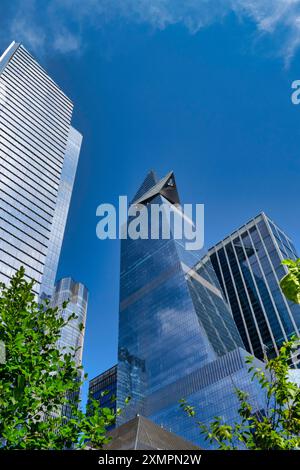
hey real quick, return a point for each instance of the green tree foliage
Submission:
(38, 381)
(278, 427)
(290, 283)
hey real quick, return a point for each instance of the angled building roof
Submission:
(166, 187)
(142, 434)
(149, 181)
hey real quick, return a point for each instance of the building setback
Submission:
(39, 151)
(248, 267)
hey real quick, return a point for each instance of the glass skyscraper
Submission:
(76, 294)
(177, 337)
(248, 266)
(39, 151)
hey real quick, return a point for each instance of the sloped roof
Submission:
(142, 434)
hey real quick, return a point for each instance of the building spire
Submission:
(149, 181)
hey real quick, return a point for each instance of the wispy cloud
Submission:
(64, 22)
(24, 24)
(66, 41)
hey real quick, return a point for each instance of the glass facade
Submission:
(177, 338)
(39, 151)
(103, 388)
(248, 267)
(76, 294)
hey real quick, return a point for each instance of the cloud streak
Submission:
(63, 27)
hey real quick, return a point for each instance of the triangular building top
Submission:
(166, 187)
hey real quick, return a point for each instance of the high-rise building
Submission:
(39, 151)
(76, 294)
(177, 337)
(248, 267)
(103, 388)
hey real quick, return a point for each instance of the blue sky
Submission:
(199, 87)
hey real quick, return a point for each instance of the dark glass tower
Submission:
(177, 338)
(103, 388)
(248, 267)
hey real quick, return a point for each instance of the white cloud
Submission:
(65, 41)
(24, 27)
(278, 18)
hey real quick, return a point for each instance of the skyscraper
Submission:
(39, 151)
(248, 267)
(177, 338)
(76, 294)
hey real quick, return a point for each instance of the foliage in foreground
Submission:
(278, 426)
(290, 283)
(38, 381)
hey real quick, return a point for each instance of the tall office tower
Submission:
(76, 294)
(39, 151)
(177, 338)
(103, 388)
(248, 267)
